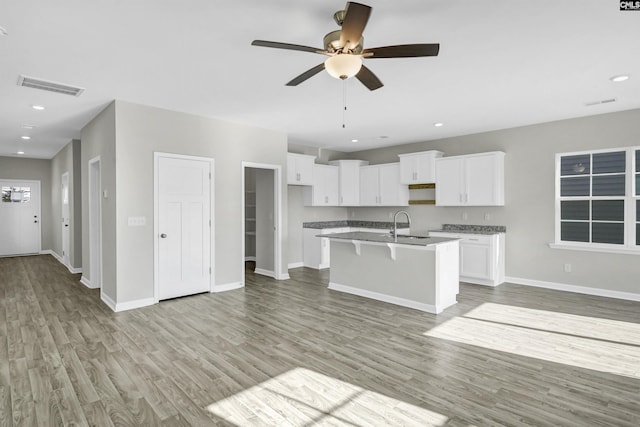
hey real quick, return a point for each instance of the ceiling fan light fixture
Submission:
(343, 66)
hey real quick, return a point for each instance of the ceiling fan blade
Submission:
(288, 46)
(367, 78)
(355, 19)
(403, 51)
(306, 75)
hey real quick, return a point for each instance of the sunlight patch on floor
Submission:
(302, 397)
(581, 341)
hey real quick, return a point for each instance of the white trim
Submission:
(264, 272)
(295, 265)
(105, 299)
(434, 309)
(130, 305)
(227, 287)
(574, 288)
(95, 232)
(591, 247)
(68, 228)
(56, 256)
(156, 232)
(278, 274)
(87, 283)
(74, 270)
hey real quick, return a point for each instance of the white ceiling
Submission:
(502, 63)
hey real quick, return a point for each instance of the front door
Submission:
(19, 217)
(184, 240)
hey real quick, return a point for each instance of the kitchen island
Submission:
(413, 271)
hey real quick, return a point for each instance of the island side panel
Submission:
(409, 280)
(447, 274)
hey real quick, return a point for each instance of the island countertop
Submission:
(412, 240)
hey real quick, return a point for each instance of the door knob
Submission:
(164, 236)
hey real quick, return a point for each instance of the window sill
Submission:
(592, 248)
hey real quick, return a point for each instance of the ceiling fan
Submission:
(345, 49)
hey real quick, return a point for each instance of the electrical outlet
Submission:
(465, 216)
(136, 221)
(353, 213)
(487, 216)
(391, 216)
(567, 268)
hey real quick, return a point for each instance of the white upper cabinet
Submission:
(470, 180)
(380, 186)
(349, 186)
(324, 191)
(300, 169)
(418, 168)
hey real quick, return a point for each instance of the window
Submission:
(16, 194)
(598, 199)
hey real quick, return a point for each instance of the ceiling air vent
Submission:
(602, 101)
(50, 86)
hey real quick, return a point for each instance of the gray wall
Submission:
(67, 160)
(141, 131)
(530, 197)
(36, 170)
(99, 139)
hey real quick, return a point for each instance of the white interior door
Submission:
(184, 246)
(19, 217)
(64, 187)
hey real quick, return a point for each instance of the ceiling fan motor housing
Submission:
(333, 45)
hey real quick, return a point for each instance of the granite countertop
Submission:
(413, 240)
(319, 225)
(472, 229)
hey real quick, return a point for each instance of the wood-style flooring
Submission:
(293, 353)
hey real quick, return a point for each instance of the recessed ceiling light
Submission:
(438, 125)
(20, 152)
(354, 140)
(28, 127)
(37, 107)
(620, 78)
(3, 32)
(25, 137)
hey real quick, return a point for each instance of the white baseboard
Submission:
(110, 303)
(264, 272)
(130, 305)
(295, 265)
(87, 283)
(124, 306)
(283, 276)
(72, 270)
(227, 287)
(574, 288)
(386, 298)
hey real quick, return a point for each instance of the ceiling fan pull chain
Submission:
(344, 104)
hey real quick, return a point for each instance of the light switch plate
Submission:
(137, 221)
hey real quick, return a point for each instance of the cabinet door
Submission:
(392, 192)
(331, 185)
(292, 173)
(450, 187)
(475, 260)
(426, 168)
(409, 169)
(349, 185)
(304, 166)
(369, 187)
(482, 180)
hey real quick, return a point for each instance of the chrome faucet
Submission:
(394, 232)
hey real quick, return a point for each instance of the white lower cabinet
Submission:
(482, 258)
